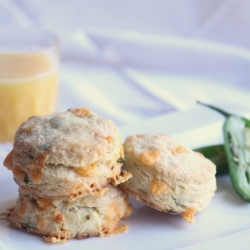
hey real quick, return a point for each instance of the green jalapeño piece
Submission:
(236, 132)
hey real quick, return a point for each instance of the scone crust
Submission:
(70, 138)
(59, 220)
(167, 175)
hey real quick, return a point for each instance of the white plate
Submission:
(225, 222)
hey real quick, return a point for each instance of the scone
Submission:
(69, 154)
(59, 220)
(167, 175)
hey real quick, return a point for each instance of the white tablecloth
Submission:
(129, 60)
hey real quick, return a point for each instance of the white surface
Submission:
(131, 60)
(137, 77)
(227, 217)
(224, 21)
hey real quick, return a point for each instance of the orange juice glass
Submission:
(29, 62)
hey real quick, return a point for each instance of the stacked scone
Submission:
(68, 166)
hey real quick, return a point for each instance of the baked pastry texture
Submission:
(70, 154)
(58, 219)
(167, 175)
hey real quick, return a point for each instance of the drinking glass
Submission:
(29, 61)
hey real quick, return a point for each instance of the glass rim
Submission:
(27, 40)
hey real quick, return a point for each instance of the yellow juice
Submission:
(28, 86)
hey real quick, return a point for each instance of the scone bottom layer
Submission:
(59, 220)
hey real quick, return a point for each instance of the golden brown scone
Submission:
(167, 175)
(71, 154)
(59, 220)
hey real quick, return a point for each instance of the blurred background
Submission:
(135, 60)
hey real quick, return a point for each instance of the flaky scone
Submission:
(71, 154)
(167, 175)
(59, 220)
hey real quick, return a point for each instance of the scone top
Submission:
(167, 158)
(74, 138)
